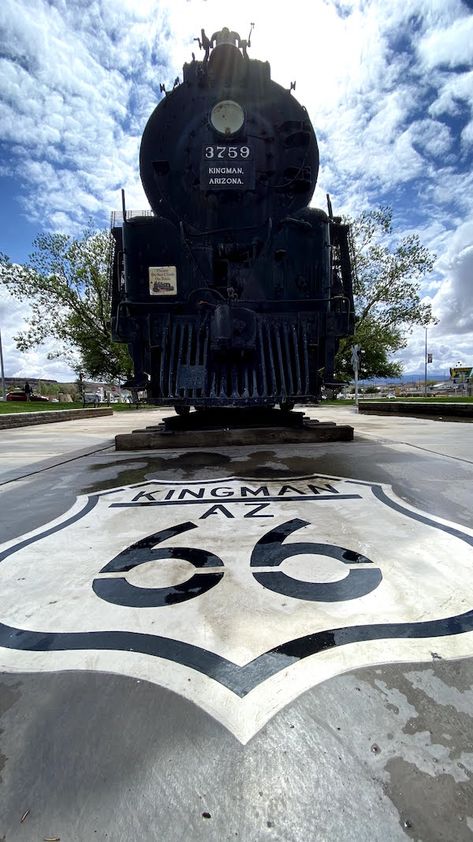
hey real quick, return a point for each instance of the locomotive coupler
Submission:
(232, 329)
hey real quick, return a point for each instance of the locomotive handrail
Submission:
(273, 304)
(117, 219)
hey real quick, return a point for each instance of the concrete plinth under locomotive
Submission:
(231, 291)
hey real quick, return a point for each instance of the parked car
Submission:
(20, 395)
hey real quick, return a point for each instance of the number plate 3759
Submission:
(226, 152)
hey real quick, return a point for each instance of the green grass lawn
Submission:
(421, 399)
(9, 407)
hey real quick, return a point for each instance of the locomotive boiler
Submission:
(231, 290)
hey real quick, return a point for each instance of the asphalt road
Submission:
(232, 731)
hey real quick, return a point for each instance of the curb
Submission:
(28, 419)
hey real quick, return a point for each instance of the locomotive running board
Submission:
(233, 427)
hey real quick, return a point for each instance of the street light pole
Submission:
(425, 366)
(355, 360)
(1, 367)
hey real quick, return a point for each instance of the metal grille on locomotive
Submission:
(232, 291)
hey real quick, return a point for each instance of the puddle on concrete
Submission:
(192, 464)
(138, 469)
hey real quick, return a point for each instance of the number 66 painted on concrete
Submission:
(269, 551)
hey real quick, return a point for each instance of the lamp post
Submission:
(428, 359)
(425, 366)
(1, 368)
(355, 361)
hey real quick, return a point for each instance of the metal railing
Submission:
(116, 217)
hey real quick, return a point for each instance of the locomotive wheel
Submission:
(286, 406)
(182, 410)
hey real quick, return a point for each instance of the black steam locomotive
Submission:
(231, 291)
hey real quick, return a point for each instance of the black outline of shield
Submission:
(240, 680)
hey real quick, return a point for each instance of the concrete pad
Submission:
(22, 451)
(118, 743)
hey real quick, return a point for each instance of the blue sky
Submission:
(388, 86)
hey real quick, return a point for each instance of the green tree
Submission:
(66, 284)
(387, 294)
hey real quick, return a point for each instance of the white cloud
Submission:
(431, 137)
(453, 303)
(33, 363)
(447, 350)
(67, 80)
(452, 46)
(454, 93)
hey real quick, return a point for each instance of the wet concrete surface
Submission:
(380, 753)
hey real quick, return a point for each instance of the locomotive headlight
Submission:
(227, 117)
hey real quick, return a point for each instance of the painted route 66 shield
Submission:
(237, 594)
